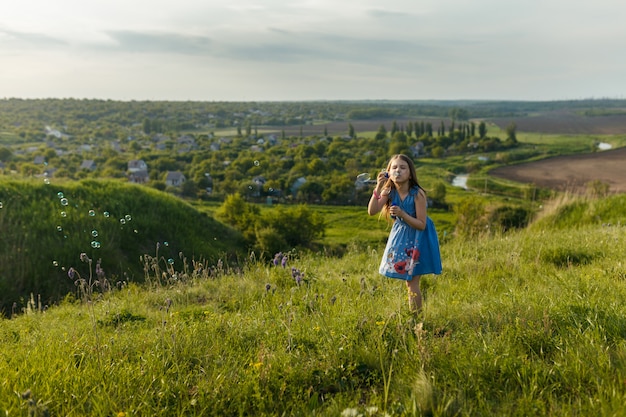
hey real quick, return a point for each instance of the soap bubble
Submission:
(92, 213)
(166, 243)
(64, 201)
(1, 205)
(257, 163)
(60, 194)
(128, 218)
(122, 221)
(59, 229)
(95, 244)
(63, 214)
(94, 233)
(46, 181)
(106, 214)
(170, 261)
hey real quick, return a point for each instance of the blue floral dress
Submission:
(410, 252)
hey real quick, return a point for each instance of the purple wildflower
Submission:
(71, 273)
(283, 262)
(276, 258)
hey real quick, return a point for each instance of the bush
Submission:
(275, 229)
(507, 217)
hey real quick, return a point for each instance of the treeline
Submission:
(22, 120)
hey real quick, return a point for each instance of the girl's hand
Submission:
(395, 211)
(382, 178)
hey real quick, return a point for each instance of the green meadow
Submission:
(523, 323)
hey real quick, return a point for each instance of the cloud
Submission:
(166, 43)
(29, 39)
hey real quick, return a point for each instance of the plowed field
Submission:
(571, 173)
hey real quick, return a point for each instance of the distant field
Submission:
(557, 122)
(567, 122)
(571, 172)
(341, 128)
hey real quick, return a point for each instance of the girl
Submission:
(412, 247)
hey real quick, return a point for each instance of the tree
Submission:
(239, 214)
(382, 132)
(399, 144)
(511, 132)
(438, 193)
(350, 130)
(5, 154)
(482, 130)
(470, 217)
(394, 128)
(409, 129)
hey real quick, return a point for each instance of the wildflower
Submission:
(71, 273)
(299, 279)
(84, 257)
(277, 258)
(99, 270)
(283, 262)
(268, 287)
(371, 410)
(350, 412)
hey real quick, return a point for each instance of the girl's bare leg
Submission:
(415, 295)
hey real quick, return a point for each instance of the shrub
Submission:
(507, 217)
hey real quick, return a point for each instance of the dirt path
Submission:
(571, 173)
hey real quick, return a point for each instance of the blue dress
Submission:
(410, 252)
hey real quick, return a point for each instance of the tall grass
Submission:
(526, 323)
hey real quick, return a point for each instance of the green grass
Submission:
(116, 222)
(526, 323)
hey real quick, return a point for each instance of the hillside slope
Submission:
(45, 228)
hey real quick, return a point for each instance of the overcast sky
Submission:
(243, 50)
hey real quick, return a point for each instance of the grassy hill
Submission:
(524, 323)
(45, 228)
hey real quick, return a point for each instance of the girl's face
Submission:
(399, 170)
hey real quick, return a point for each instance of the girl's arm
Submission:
(419, 221)
(379, 196)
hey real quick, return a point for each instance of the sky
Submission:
(279, 50)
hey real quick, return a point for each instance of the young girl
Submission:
(412, 248)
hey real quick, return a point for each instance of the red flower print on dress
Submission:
(400, 267)
(413, 253)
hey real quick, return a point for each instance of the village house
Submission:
(138, 171)
(174, 179)
(186, 143)
(139, 177)
(88, 164)
(136, 165)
